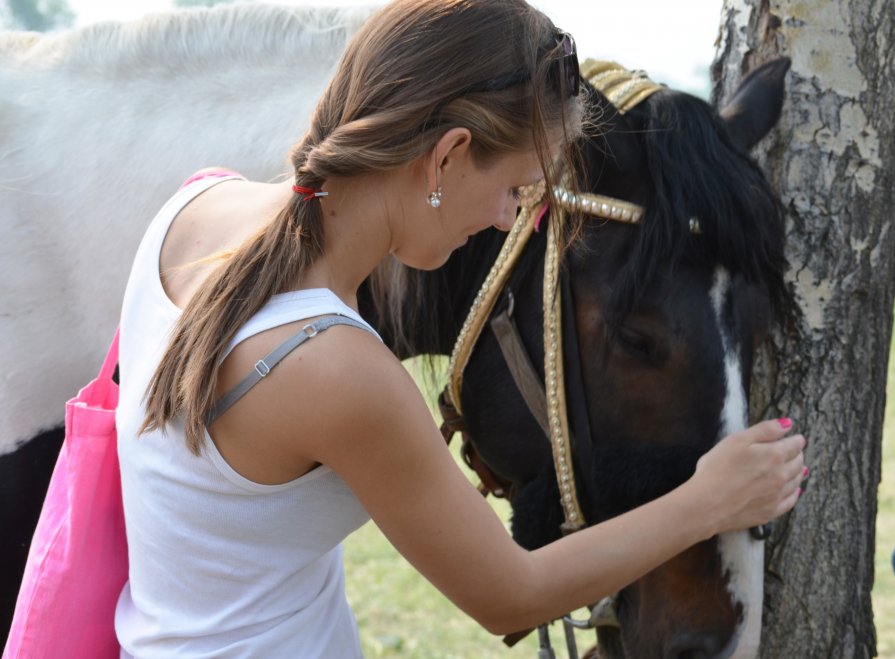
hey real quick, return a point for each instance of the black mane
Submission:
(693, 168)
(688, 167)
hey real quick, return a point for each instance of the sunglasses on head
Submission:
(563, 71)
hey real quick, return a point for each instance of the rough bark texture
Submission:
(831, 158)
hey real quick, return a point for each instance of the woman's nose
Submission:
(506, 221)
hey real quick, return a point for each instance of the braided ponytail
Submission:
(414, 71)
(269, 263)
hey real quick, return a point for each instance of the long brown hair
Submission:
(416, 69)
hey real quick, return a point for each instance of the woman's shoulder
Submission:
(335, 367)
(341, 383)
(336, 371)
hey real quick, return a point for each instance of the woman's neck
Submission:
(357, 228)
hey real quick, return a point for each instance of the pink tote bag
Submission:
(77, 564)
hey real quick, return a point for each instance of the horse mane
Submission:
(13, 43)
(695, 169)
(192, 40)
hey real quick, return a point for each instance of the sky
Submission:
(674, 46)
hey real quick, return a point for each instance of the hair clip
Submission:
(309, 193)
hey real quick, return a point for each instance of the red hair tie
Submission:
(309, 193)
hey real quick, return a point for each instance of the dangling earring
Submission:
(434, 198)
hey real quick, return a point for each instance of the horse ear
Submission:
(756, 104)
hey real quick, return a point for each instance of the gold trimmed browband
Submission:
(605, 207)
(624, 88)
(608, 208)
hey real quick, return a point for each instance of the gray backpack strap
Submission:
(265, 365)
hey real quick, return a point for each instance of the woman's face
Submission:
(474, 197)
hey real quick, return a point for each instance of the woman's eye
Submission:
(516, 194)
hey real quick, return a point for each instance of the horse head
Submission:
(668, 314)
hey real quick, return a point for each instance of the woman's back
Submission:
(220, 564)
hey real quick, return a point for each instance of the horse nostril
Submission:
(694, 645)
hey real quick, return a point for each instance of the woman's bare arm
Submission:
(348, 403)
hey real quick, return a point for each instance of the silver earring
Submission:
(434, 198)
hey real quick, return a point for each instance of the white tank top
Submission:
(221, 566)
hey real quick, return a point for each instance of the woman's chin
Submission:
(428, 262)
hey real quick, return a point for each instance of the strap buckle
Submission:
(262, 368)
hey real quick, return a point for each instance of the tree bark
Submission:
(831, 160)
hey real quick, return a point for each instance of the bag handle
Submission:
(111, 360)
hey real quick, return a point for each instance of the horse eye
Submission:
(634, 342)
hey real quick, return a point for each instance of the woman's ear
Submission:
(451, 147)
(448, 150)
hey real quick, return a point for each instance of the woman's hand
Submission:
(754, 475)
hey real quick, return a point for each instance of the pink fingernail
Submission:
(805, 472)
(785, 423)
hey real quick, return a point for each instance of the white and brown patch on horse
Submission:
(740, 251)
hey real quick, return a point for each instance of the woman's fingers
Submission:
(787, 504)
(759, 471)
(771, 430)
(793, 446)
(794, 486)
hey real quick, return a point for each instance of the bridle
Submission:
(546, 400)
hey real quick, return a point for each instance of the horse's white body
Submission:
(99, 126)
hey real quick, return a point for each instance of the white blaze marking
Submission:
(742, 557)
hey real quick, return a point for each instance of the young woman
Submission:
(439, 111)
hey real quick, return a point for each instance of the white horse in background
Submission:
(98, 127)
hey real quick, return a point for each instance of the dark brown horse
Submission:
(666, 322)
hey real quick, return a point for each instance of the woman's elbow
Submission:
(512, 599)
(507, 618)
(504, 627)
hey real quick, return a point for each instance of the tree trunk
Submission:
(831, 159)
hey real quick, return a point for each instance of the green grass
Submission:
(401, 615)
